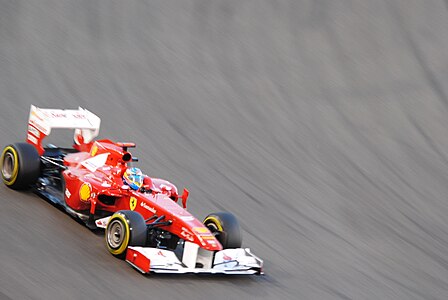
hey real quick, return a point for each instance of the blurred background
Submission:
(321, 124)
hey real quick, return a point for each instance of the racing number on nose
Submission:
(132, 203)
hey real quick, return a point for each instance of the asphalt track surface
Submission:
(321, 124)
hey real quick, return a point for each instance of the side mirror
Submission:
(185, 197)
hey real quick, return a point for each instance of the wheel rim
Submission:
(8, 166)
(116, 234)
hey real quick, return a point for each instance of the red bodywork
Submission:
(101, 188)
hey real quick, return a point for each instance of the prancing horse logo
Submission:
(132, 203)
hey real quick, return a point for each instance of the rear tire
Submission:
(125, 228)
(226, 229)
(20, 165)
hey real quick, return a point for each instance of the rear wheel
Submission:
(20, 165)
(125, 228)
(226, 229)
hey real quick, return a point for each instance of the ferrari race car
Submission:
(149, 226)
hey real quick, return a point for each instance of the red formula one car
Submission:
(143, 221)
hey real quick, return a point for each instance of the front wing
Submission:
(229, 261)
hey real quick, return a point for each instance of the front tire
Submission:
(125, 228)
(20, 165)
(226, 229)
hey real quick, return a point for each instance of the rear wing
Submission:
(41, 121)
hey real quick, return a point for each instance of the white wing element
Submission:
(93, 163)
(102, 223)
(229, 261)
(85, 123)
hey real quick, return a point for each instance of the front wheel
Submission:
(226, 229)
(125, 228)
(20, 165)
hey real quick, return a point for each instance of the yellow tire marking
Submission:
(125, 243)
(15, 171)
(214, 221)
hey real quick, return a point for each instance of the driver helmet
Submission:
(134, 178)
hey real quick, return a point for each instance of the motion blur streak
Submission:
(321, 124)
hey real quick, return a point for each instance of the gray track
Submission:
(321, 124)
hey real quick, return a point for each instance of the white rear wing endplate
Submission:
(41, 121)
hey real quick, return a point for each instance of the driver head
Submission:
(134, 178)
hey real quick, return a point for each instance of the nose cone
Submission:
(209, 242)
(195, 231)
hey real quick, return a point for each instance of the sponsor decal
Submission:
(147, 207)
(78, 115)
(187, 218)
(32, 139)
(67, 193)
(208, 237)
(33, 131)
(85, 192)
(225, 257)
(36, 113)
(160, 253)
(186, 234)
(42, 128)
(132, 203)
(56, 114)
(100, 223)
(201, 230)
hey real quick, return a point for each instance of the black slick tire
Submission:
(125, 228)
(226, 228)
(20, 165)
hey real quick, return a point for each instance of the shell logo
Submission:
(94, 150)
(85, 191)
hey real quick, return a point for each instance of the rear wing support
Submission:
(41, 121)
